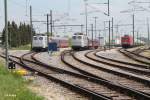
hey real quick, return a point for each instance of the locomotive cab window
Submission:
(40, 38)
(74, 37)
(79, 37)
(35, 38)
(125, 38)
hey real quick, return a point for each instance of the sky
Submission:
(72, 12)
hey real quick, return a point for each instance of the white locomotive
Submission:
(39, 42)
(81, 41)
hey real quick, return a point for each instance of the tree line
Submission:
(17, 35)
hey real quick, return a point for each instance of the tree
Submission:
(18, 35)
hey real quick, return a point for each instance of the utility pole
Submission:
(117, 30)
(6, 33)
(133, 27)
(86, 16)
(82, 28)
(148, 31)
(51, 23)
(138, 37)
(95, 26)
(109, 34)
(99, 38)
(105, 32)
(31, 25)
(47, 29)
(108, 8)
(92, 35)
(112, 31)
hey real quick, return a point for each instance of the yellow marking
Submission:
(21, 72)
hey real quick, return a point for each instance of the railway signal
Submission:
(11, 65)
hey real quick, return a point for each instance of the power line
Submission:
(18, 4)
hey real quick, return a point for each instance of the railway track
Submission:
(70, 80)
(97, 89)
(122, 62)
(100, 88)
(138, 51)
(110, 76)
(79, 84)
(136, 57)
(93, 86)
(138, 70)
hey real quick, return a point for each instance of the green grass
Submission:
(24, 47)
(14, 87)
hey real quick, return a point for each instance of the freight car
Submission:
(127, 41)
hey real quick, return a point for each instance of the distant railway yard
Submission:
(75, 50)
(115, 74)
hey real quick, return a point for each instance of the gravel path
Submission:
(52, 91)
(18, 53)
(145, 53)
(53, 60)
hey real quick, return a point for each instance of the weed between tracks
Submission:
(14, 87)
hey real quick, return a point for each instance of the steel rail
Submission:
(134, 56)
(119, 86)
(133, 77)
(139, 71)
(137, 54)
(118, 61)
(93, 95)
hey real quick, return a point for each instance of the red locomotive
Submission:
(127, 41)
